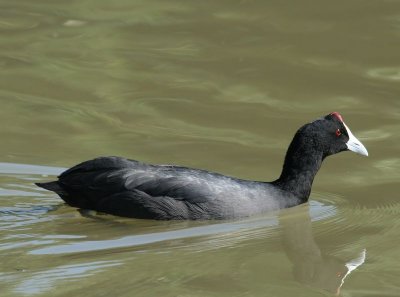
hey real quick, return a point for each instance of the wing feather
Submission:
(108, 175)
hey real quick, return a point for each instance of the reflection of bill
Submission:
(310, 265)
(352, 265)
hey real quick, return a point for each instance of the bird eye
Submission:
(338, 133)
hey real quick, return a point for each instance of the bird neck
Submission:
(302, 163)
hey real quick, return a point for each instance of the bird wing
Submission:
(106, 176)
(102, 164)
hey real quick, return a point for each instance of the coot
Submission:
(131, 188)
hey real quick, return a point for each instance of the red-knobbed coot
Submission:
(130, 188)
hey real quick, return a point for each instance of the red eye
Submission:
(338, 133)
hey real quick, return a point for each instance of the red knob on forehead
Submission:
(337, 115)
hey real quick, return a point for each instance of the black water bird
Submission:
(131, 188)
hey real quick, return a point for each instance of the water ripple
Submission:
(318, 211)
(44, 280)
(13, 168)
(386, 73)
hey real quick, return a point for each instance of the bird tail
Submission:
(52, 186)
(55, 186)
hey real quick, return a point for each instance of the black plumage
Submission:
(134, 189)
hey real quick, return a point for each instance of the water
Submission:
(218, 85)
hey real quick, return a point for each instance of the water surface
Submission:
(218, 85)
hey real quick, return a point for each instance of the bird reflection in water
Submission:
(311, 266)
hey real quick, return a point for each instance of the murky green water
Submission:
(219, 85)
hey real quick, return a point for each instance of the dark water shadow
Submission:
(312, 265)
